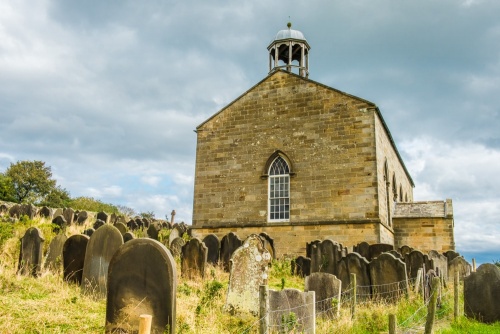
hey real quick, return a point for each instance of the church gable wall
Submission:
(324, 133)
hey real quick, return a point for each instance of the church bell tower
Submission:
(289, 50)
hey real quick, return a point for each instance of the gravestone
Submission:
(82, 217)
(132, 225)
(396, 254)
(268, 244)
(450, 255)
(176, 246)
(74, 257)
(121, 227)
(482, 294)
(194, 259)
(403, 250)
(53, 261)
(61, 224)
(248, 271)
(327, 289)
(416, 260)
(98, 223)
(113, 218)
(439, 263)
(461, 265)
(363, 249)
(45, 212)
(128, 236)
(301, 266)
(377, 249)
(309, 246)
(69, 215)
(88, 232)
(103, 216)
(142, 280)
(100, 249)
(325, 256)
(284, 303)
(213, 246)
(15, 211)
(29, 210)
(354, 263)
(3, 209)
(152, 231)
(388, 277)
(57, 212)
(229, 243)
(146, 222)
(139, 222)
(176, 232)
(30, 255)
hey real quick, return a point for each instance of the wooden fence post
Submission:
(354, 295)
(456, 282)
(392, 324)
(263, 309)
(145, 323)
(431, 309)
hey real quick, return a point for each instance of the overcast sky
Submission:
(108, 93)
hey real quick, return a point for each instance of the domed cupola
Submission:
(289, 50)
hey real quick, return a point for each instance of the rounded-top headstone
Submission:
(74, 257)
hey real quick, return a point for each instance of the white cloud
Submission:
(151, 180)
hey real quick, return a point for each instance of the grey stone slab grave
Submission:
(153, 231)
(354, 263)
(30, 255)
(69, 215)
(142, 280)
(459, 264)
(482, 294)
(388, 277)
(248, 271)
(213, 246)
(229, 243)
(325, 257)
(53, 260)
(327, 289)
(176, 246)
(101, 247)
(292, 311)
(416, 260)
(301, 266)
(194, 259)
(74, 257)
(439, 263)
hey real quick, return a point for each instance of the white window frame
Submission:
(283, 196)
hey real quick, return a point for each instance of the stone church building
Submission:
(302, 161)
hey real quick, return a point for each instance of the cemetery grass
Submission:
(47, 304)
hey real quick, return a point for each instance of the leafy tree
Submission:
(57, 198)
(92, 204)
(6, 189)
(31, 180)
(148, 215)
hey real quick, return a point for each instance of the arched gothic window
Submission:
(279, 190)
(394, 188)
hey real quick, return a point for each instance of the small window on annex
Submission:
(279, 190)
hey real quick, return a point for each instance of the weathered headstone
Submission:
(354, 263)
(30, 256)
(132, 225)
(325, 257)
(121, 227)
(53, 261)
(57, 212)
(377, 249)
(403, 250)
(3, 209)
(60, 223)
(176, 246)
(416, 260)
(268, 244)
(396, 254)
(82, 217)
(142, 280)
(98, 223)
(128, 236)
(15, 211)
(213, 246)
(363, 249)
(327, 288)
(139, 222)
(461, 265)
(388, 277)
(74, 257)
(194, 259)
(450, 255)
(292, 311)
(248, 271)
(301, 266)
(309, 246)
(100, 249)
(88, 232)
(482, 294)
(29, 210)
(439, 263)
(103, 216)
(69, 215)
(45, 212)
(229, 243)
(152, 231)
(176, 232)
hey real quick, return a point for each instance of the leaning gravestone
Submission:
(229, 243)
(176, 246)
(461, 265)
(327, 289)
(292, 311)
(354, 263)
(30, 256)
(69, 215)
(482, 294)
(301, 266)
(101, 248)
(194, 259)
(213, 246)
(388, 277)
(325, 257)
(53, 260)
(248, 271)
(142, 280)
(74, 258)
